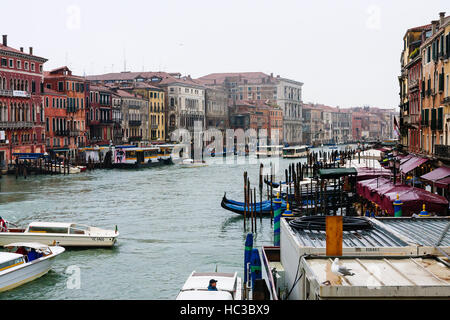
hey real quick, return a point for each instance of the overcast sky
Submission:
(347, 53)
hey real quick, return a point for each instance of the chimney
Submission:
(31, 51)
(5, 40)
(441, 18)
(433, 27)
(21, 49)
(271, 75)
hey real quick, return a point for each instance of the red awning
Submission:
(443, 183)
(368, 173)
(405, 158)
(437, 174)
(412, 163)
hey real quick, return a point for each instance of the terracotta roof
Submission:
(9, 49)
(220, 77)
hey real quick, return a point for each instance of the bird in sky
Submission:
(340, 270)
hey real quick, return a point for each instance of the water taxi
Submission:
(295, 152)
(229, 287)
(65, 234)
(136, 157)
(25, 262)
(269, 151)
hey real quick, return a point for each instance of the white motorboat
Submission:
(190, 163)
(295, 152)
(65, 234)
(229, 287)
(25, 262)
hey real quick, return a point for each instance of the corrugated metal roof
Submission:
(392, 276)
(376, 237)
(423, 231)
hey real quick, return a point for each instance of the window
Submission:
(48, 229)
(11, 63)
(25, 65)
(32, 67)
(4, 62)
(19, 64)
(60, 86)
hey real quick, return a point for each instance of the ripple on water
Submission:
(170, 223)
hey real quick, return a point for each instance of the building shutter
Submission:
(433, 119)
(441, 82)
(427, 113)
(440, 119)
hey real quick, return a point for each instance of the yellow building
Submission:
(156, 116)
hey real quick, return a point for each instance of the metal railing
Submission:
(134, 123)
(442, 151)
(15, 124)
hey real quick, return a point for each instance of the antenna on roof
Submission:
(124, 61)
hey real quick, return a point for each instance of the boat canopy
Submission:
(29, 156)
(200, 280)
(204, 295)
(32, 245)
(51, 224)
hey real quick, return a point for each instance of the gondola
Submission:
(238, 207)
(273, 184)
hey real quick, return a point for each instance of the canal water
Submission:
(169, 218)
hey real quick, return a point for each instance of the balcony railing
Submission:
(134, 123)
(15, 124)
(6, 93)
(442, 151)
(62, 133)
(154, 126)
(106, 121)
(74, 133)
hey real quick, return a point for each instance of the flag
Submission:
(396, 127)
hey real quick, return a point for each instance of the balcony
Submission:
(134, 123)
(62, 133)
(447, 100)
(106, 121)
(74, 133)
(154, 126)
(442, 151)
(6, 93)
(16, 124)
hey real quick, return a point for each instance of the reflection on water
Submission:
(169, 218)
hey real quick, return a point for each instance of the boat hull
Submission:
(28, 271)
(264, 207)
(62, 240)
(139, 165)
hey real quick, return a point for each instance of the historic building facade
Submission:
(75, 88)
(21, 111)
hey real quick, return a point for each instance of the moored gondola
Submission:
(239, 207)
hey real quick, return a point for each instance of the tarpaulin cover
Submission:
(384, 193)
(368, 173)
(413, 200)
(411, 164)
(405, 158)
(437, 174)
(443, 183)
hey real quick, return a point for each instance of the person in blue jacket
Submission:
(212, 285)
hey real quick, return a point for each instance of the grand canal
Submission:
(169, 218)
